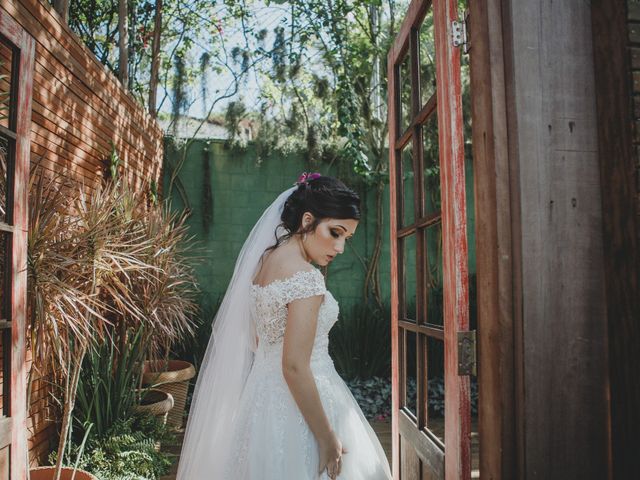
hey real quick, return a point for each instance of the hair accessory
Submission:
(305, 177)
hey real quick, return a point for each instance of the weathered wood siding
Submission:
(79, 111)
(616, 40)
(633, 14)
(79, 107)
(560, 308)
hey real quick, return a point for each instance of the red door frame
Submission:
(17, 229)
(457, 461)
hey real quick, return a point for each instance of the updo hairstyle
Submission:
(323, 197)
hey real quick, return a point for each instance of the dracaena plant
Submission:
(168, 297)
(90, 257)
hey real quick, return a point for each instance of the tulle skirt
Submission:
(273, 442)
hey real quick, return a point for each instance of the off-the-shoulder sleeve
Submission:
(304, 284)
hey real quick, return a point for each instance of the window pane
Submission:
(435, 387)
(5, 155)
(405, 94)
(6, 61)
(408, 175)
(427, 59)
(435, 297)
(2, 377)
(3, 276)
(411, 392)
(431, 165)
(409, 285)
(5, 333)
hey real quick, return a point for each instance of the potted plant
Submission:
(171, 377)
(109, 285)
(56, 293)
(155, 402)
(66, 473)
(169, 300)
(82, 254)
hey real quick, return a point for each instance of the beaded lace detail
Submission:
(269, 308)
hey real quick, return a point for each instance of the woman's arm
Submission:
(299, 336)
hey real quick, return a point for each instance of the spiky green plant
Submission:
(108, 381)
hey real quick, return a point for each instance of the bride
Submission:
(268, 403)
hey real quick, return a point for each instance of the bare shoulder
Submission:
(279, 265)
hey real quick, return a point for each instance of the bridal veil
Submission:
(227, 360)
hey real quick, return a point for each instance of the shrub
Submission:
(374, 396)
(360, 343)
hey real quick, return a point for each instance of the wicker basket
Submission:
(171, 377)
(49, 473)
(156, 402)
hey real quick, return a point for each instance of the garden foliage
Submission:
(126, 451)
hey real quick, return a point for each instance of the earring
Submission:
(304, 237)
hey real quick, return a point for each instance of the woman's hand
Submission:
(330, 452)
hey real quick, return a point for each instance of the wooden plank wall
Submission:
(633, 17)
(495, 208)
(616, 40)
(79, 107)
(559, 294)
(79, 111)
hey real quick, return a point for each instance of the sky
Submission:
(268, 17)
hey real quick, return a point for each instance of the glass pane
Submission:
(435, 386)
(5, 153)
(2, 377)
(409, 277)
(408, 174)
(3, 276)
(435, 297)
(475, 435)
(411, 391)
(431, 165)
(427, 59)
(5, 334)
(6, 61)
(405, 95)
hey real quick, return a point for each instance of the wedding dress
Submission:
(243, 421)
(271, 439)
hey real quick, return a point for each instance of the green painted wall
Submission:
(227, 191)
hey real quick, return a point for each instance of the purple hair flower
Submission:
(305, 177)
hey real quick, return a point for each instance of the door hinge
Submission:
(459, 33)
(467, 353)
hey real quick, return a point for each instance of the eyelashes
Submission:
(336, 234)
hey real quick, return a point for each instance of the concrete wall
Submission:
(227, 191)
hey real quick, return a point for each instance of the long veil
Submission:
(227, 361)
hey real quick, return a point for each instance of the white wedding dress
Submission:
(270, 437)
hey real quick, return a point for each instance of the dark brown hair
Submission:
(323, 197)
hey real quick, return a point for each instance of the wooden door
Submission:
(16, 73)
(430, 307)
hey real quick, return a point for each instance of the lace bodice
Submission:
(269, 308)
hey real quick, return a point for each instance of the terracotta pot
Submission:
(171, 377)
(156, 402)
(48, 473)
